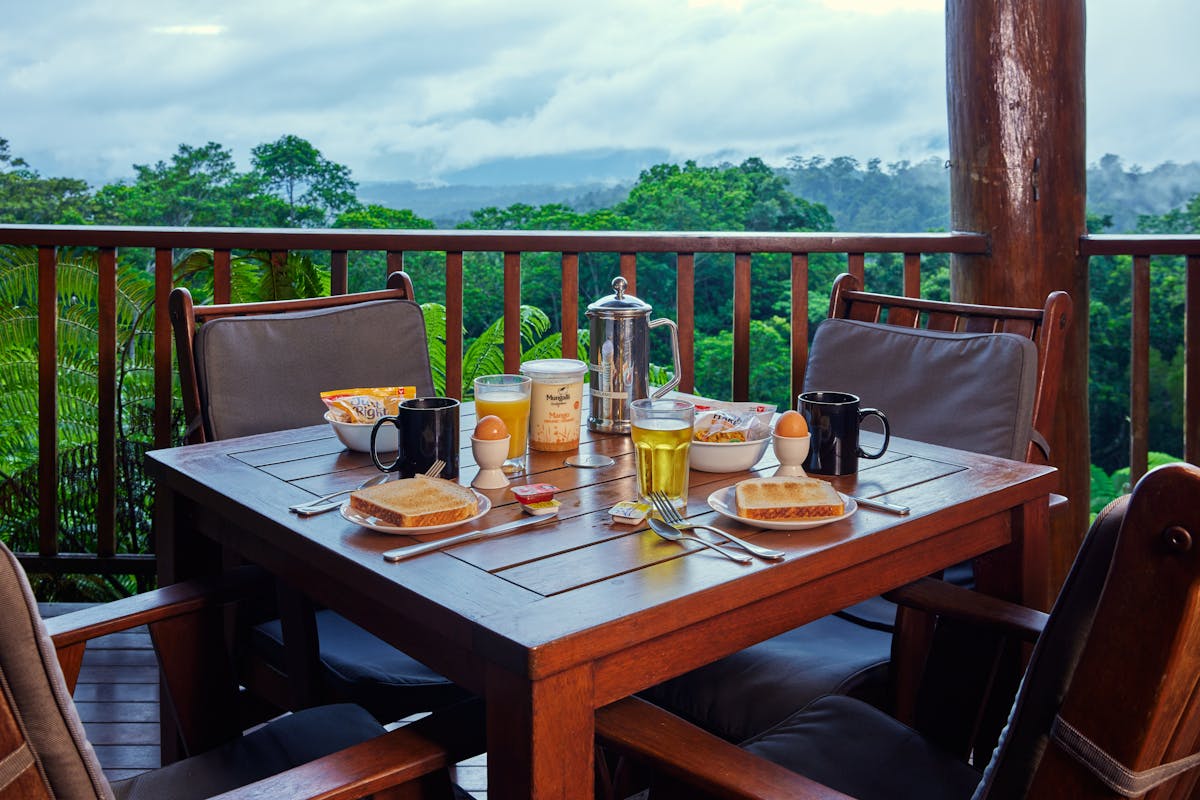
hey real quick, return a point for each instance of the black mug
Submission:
(833, 419)
(427, 428)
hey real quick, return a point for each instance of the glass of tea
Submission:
(662, 435)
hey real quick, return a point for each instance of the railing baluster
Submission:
(629, 271)
(1139, 370)
(799, 279)
(163, 346)
(222, 276)
(741, 327)
(685, 318)
(912, 274)
(512, 311)
(339, 271)
(454, 324)
(856, 265)
(570, 305)
(106, 375)
(395, 263)
(1191, 368)
(48, 401)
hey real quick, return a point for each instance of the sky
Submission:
(541, 91)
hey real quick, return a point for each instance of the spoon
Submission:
(667, 532)
(322, 504)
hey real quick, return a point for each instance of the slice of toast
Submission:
(787, 498)
(416, 502)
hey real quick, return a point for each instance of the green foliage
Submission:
(199, 186)
(77, 332)
(484, 354)
(1106, 488)
(314, 188)
(26, 197)
(254, 276)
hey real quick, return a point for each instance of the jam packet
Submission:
(365, 406)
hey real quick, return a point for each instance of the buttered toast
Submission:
(416, 502)
(782, 498)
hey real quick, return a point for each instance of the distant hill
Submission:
(451, 204)
(900, 197)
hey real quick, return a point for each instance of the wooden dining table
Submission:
(553, 622)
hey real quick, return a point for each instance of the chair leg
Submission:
(911, 641)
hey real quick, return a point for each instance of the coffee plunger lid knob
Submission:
(618, 304)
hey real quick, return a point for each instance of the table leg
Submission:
(540, 735)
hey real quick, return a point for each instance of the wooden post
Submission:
(1015, 97)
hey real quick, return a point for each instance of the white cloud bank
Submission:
(405, 89)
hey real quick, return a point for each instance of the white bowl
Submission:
(726, 456)
(357, 435)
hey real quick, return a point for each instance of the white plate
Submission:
(722, 501)
(376, 524)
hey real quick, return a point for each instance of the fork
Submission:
(435, 469)
(675, 535)
(672, 517)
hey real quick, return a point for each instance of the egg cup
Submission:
(791, 452)
(489, 455)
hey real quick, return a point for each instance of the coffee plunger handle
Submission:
(671, 384)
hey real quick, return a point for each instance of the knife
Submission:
(401, 553)
(880, 505)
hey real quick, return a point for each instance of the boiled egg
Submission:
(791, 424)
(490, 428)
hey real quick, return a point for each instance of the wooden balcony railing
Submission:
(625, 248)
(1143, 249)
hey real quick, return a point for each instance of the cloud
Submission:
(405, 89)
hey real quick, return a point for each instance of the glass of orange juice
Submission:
(507, 397)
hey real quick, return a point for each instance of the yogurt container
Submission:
(555, 400)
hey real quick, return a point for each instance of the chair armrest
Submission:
(955, 602)
(187, 625)
(161, 604)
(433, 743)
(673, 746)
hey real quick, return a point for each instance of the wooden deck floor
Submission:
(117, 699)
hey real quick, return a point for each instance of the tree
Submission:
(314, 188)
(199, 186)
(26, 197)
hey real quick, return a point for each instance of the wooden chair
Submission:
(328, 752)
(258, 367)
(1108, 707)
(980, 378)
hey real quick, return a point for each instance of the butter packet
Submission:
(629, 512)
(541, 507)
(365, 406)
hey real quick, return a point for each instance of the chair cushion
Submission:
(284, 743)
(972, 391)
(364, 669)
(40, 702)
(751, 690)
(380, 343)
(857, 749)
